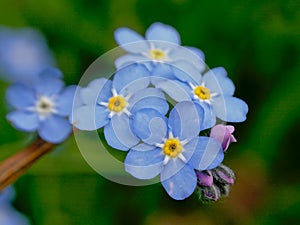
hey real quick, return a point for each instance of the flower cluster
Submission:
(158, 105)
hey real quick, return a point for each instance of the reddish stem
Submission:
(15, 166)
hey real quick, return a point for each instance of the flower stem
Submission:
(15, 166)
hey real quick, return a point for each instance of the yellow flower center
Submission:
(116, 103)
(202, 92)
(172, 147)
(157, 54)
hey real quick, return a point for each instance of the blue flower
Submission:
(172, 148)
(43, 106)
(213, 92)
(110, 104)
(8, 214)
(23, 54)
(162, 44)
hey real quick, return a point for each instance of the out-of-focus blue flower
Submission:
(110, 104)
(172, 148)
(161, 45)
(23, 54)
(213, 92)
(8, 214)
(43, 107)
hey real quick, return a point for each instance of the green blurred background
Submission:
(258, 42)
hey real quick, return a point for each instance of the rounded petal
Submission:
(184, 120)
(131, 78)
(206, 114)
(186, 72)
(20, 96)
(89, 117)
(65, 101)
(197, 52)
(24, 120)
(144, 164)
(150, 126)
(176, 90)
(162, 32)
(55, 129)
(182, 184)
(185, 54)
(230, 109)
(46, 84)
(118, 133)
(51, 72)
(207, 155)
(160, 71)
(142, 147)
(217, 81)
(128, 59)
(130, 40)
(148, 98)
(97, 90)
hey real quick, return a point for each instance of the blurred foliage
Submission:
(258, 42)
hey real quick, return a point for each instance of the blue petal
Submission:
(46, 84)
(65, 101)
(118, 133)
(186, 72)
(162, 32)
(97, 90)
(206, 115)
(197, 52)
(217, 81)
(24, 120)
(130, 40)
(55, 129)
(148, 98)
(143, 147)
(131, 79)
(144, 164)
(184, 54)
(173, 166)
(20, 96)
(176, 90)
(230, 109)
(162, 71)
(128, 59)
(90, 117)
(182, 184)
(150, 126)
(207, 155)
(184, 120)
(51, 72)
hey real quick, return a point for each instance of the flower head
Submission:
(214, 184)
(213, 92)
(23, 54)
(160, 45)
(172, 148)
(42, 107)
(110, 104)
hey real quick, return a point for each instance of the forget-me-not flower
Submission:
(43, 107)
(160, 45)
(172, 148)
(213, 92)
(110, 104)
(23, 54)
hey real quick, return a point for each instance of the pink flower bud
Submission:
(223, 133)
